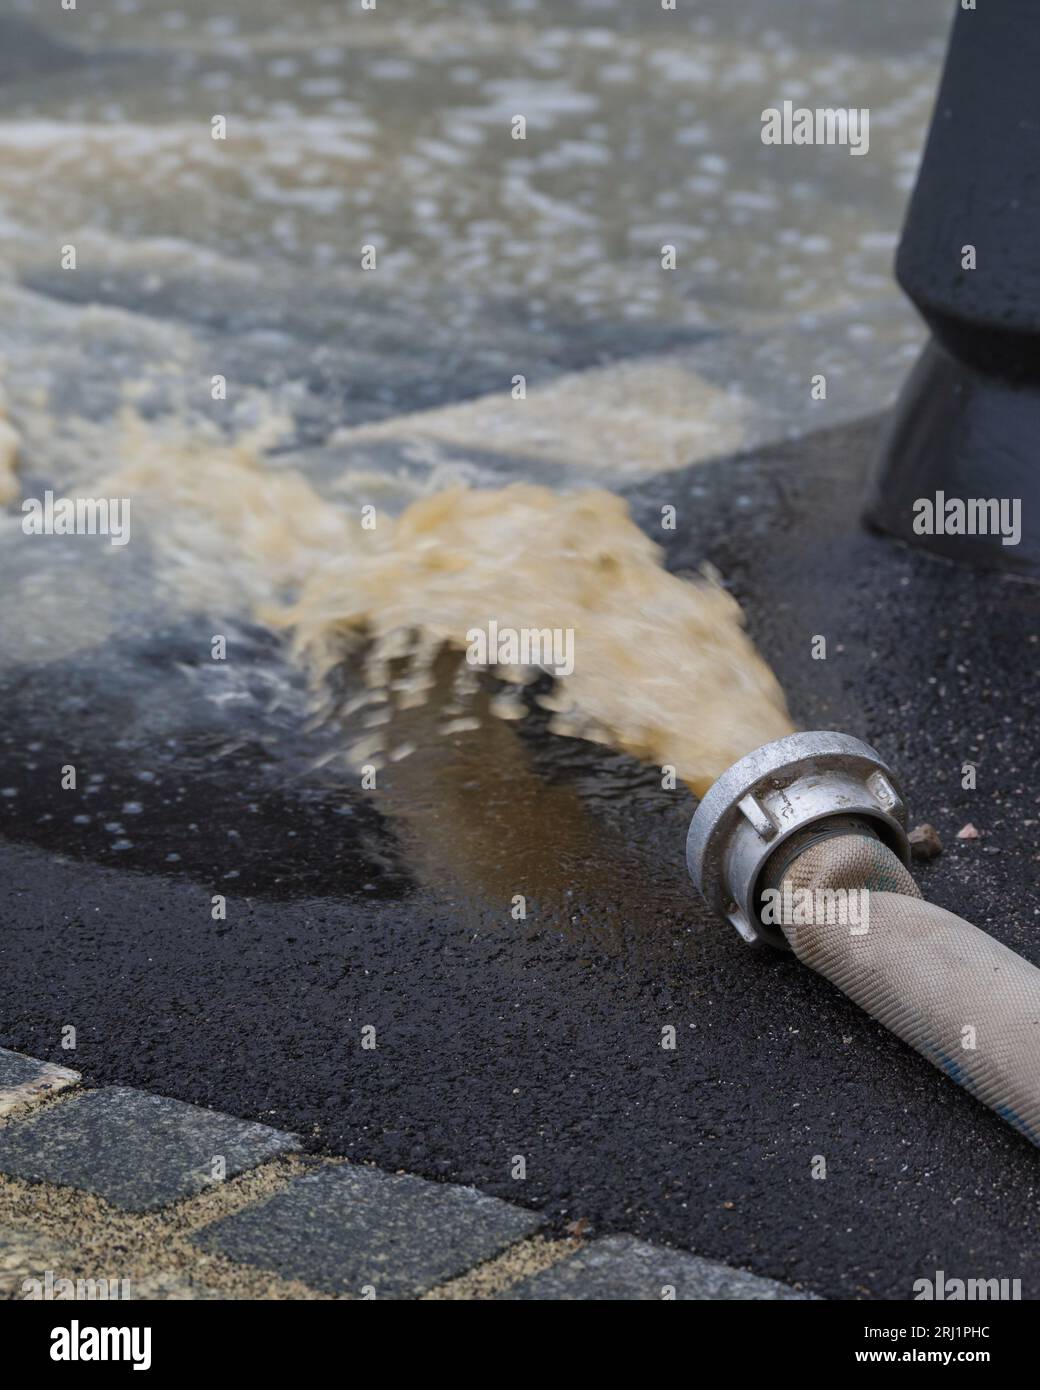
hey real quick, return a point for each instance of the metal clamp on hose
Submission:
(776, 792)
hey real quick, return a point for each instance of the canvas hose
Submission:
(956, 995)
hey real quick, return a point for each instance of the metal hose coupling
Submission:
(790, 792)
(821, 813)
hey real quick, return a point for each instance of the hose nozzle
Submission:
(819, 781)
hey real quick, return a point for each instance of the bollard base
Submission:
(956, 471)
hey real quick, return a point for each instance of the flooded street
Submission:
(393, 129)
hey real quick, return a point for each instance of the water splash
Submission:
(662, 666)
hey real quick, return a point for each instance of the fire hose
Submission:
(802, 845)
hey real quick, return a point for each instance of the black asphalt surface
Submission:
(541, 1037)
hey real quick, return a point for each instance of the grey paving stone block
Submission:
(14, 1068)
(137, 1151)
(623, 1268)
(25, 1079)
(346, 1228)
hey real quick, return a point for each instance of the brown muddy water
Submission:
(522, 579)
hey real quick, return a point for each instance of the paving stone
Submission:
(25, 1079)
(623, 1268)
(137, 1151)
(346, 1228)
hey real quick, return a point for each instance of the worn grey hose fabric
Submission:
(964, 1001)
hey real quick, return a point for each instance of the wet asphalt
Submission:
(542, 1037)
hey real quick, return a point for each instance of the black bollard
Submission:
(959, 458)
